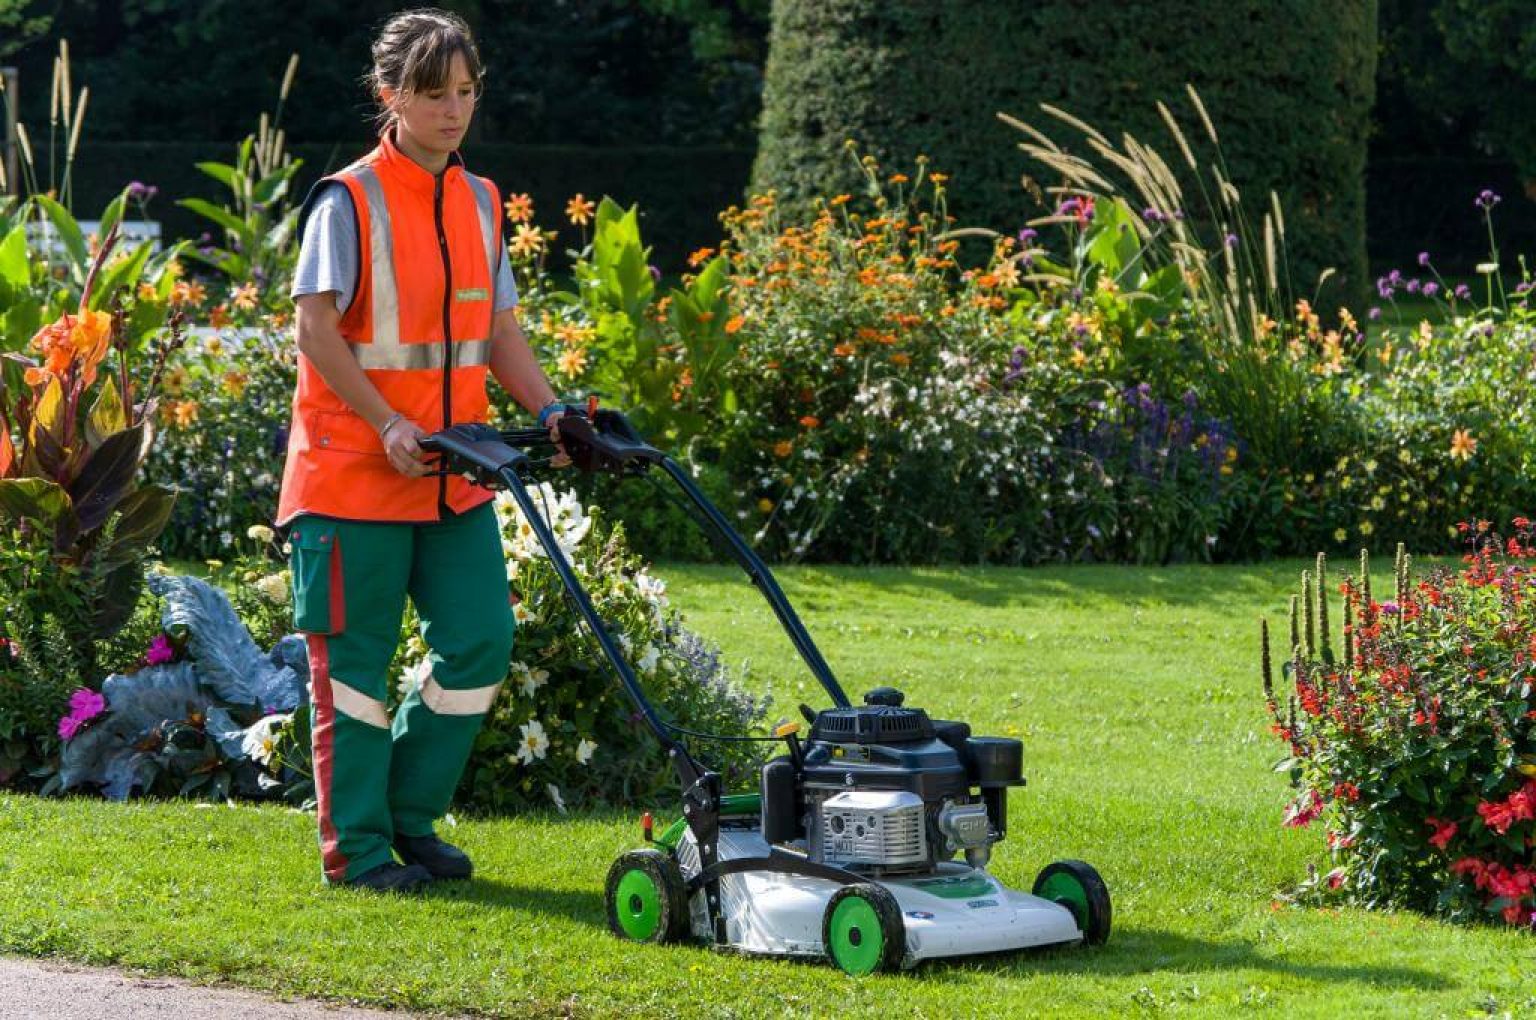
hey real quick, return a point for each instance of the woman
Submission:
(404, 302)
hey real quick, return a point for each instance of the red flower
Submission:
(1443, 832)
(1305, 811)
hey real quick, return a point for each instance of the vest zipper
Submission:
(442, 247)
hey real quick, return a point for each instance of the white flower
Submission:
(273, 588)
(648, 661)
(522, 614)
(554, 795)
(584, 750)
(225, 538)
(260, 532)
(652, 589)
(415, 676)
(535, 742)
(260, 740)
(530, 680)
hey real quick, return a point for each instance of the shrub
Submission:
(1413, 735)
(904, 78)
(563, 730)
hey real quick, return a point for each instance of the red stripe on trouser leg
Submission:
(323, 731)
(337, 592)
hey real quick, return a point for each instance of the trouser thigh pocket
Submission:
(319, 599)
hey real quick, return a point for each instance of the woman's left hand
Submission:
(561, 458)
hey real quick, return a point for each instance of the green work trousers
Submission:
(376, 777)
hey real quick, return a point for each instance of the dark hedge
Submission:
(1289, 83)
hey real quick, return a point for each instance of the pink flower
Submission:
(68, 727)
(86, 704)
(160, 651)
(1305, 811)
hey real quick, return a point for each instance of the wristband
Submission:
(394, 420)
(547, 410)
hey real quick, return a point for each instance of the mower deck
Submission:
(955, 911)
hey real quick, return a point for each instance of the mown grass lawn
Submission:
(1135, 691)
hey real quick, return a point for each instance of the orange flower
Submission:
(147, 292)
(185, 412)
(1463, 445)
(898, 358)
(572, 362)
(188, 292)
(734, 323)
(245, 298)
(235, 382)
(843, 350)
(783, 448)
(34, 377)
(527, 241)
(219, 317)
(519, 208)
(75, 339)
(706, 317)
(810, 421)
(840, 200)
(579, 210)
(700, 257)
(898, 178)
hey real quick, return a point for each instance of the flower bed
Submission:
(1412, 735)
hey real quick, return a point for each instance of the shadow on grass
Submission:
(1143, 951)
(584, 906)
(1129, 953)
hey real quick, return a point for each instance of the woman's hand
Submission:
(404, 451)
(561, 458)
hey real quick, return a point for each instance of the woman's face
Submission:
(436, 119)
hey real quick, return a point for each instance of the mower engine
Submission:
(885, 789)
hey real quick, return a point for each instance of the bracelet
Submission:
(547, 410)
(394, 420)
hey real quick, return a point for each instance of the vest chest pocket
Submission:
(319, 597)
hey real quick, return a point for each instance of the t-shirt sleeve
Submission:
(328, 251)
(506, 286)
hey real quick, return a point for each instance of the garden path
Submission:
(55, 990)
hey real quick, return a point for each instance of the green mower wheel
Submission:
(1078, 887)
(647, 900)
(862, 930)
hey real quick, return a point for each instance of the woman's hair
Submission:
(414, 52)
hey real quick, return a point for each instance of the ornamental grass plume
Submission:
(1417, 746)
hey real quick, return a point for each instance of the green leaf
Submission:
(223, 173)
(107, 416)
(124, 273)
(107, 474)
(223, 217)
(35, 499)
(15, 267)
(112, 214)
(69, 231)
(273, 186)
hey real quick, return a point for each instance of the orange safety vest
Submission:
(420, 326)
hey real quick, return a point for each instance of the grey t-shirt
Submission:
(328, 254)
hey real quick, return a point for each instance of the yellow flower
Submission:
(527, 242)
(572, 361)
(235, 382)
(1366, 527)
(519, 208)
(245, 298)
(1463, 445)
(174, 382)
(1339, 534)
(184, 412)
(765, 505)
(579, 210)
(1007, 274)
(147, 292)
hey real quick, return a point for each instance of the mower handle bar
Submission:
(607, 442)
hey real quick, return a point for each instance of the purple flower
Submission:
(68, 727)
(1390, 608)
(655, 274)
(1151, 215)
(1423, 258)
(1431, 288)
(1027, 235)
(1395, 278)
(1231, 240)
(160, 651)
(1373, 314)
(86, 704)
(138, 191)
(1413, 286)
(1383, 286)
(1462, 291)
(1486, 199)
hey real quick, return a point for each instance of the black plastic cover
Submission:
(872, 724)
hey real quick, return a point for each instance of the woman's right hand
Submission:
(403, 449)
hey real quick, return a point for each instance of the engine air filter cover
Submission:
(872, 724)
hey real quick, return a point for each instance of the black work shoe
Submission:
(442, 860)
(392, 877)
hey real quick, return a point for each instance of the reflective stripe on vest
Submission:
(387, 351)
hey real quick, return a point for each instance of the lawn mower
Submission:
(847, 849)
